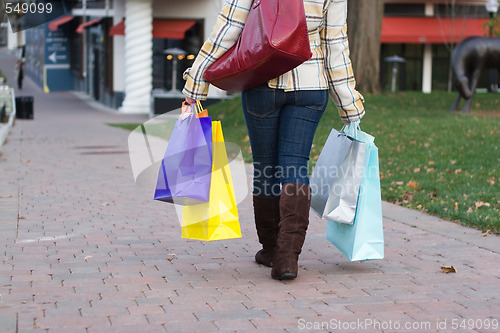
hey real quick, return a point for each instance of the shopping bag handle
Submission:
(352, 129)
(187, 109)
(200, 112)
(196, 108)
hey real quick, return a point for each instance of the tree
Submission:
(364, 23)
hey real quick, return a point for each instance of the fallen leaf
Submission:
(398, 183)
(430, 170)
(408, 197)
(453, 161)
(427, 145)
(456, 206)
(87, 257)
(412, 184)
(416, 170)
(481, 204)
(246, 139)
(21, 217)
(5, 196)
(469, 210)
(487, 233)
(432, 162)
(458, 171)
(491, 180)
(448, 269)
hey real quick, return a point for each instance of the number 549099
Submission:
(24, 8)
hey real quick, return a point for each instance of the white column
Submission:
(119, 50)
(138, 56)
(429, 8)
(12, 38)
(427, 65)
(427, 69)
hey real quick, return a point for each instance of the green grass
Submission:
(442, 163)
(439, 162)
(126, 126)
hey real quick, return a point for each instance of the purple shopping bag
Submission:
(185, 171)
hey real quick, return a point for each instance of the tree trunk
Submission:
(364, 23)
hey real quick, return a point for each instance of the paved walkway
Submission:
(83, 249)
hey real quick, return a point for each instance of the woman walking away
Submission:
(281, 117)
(20, 73)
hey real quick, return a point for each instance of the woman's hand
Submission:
(190, 100)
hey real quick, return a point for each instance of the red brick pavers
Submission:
(92, 252)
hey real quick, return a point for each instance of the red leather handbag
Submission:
(274, 40)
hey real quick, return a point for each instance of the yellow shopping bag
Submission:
(218, 218)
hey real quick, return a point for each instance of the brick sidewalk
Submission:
(83, 249)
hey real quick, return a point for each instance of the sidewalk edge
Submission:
(441, 227)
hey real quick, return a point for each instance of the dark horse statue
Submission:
(468, 61)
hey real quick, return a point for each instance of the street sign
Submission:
(56, 47)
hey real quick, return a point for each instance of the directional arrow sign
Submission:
(53, 57)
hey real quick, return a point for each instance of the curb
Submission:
(439, 226)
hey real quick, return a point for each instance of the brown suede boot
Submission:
(295, 203)
(267, 217)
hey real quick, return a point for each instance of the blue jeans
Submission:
(281, 127)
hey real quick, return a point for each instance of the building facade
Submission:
(126, 53)
(424, 33)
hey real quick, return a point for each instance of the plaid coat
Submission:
(329, 67)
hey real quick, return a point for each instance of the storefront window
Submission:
(163, 65)
(440, 67)
(96, 4)
(460, 11)
(404, 9)
(409, 73)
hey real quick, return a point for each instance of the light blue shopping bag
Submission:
(364, 239)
